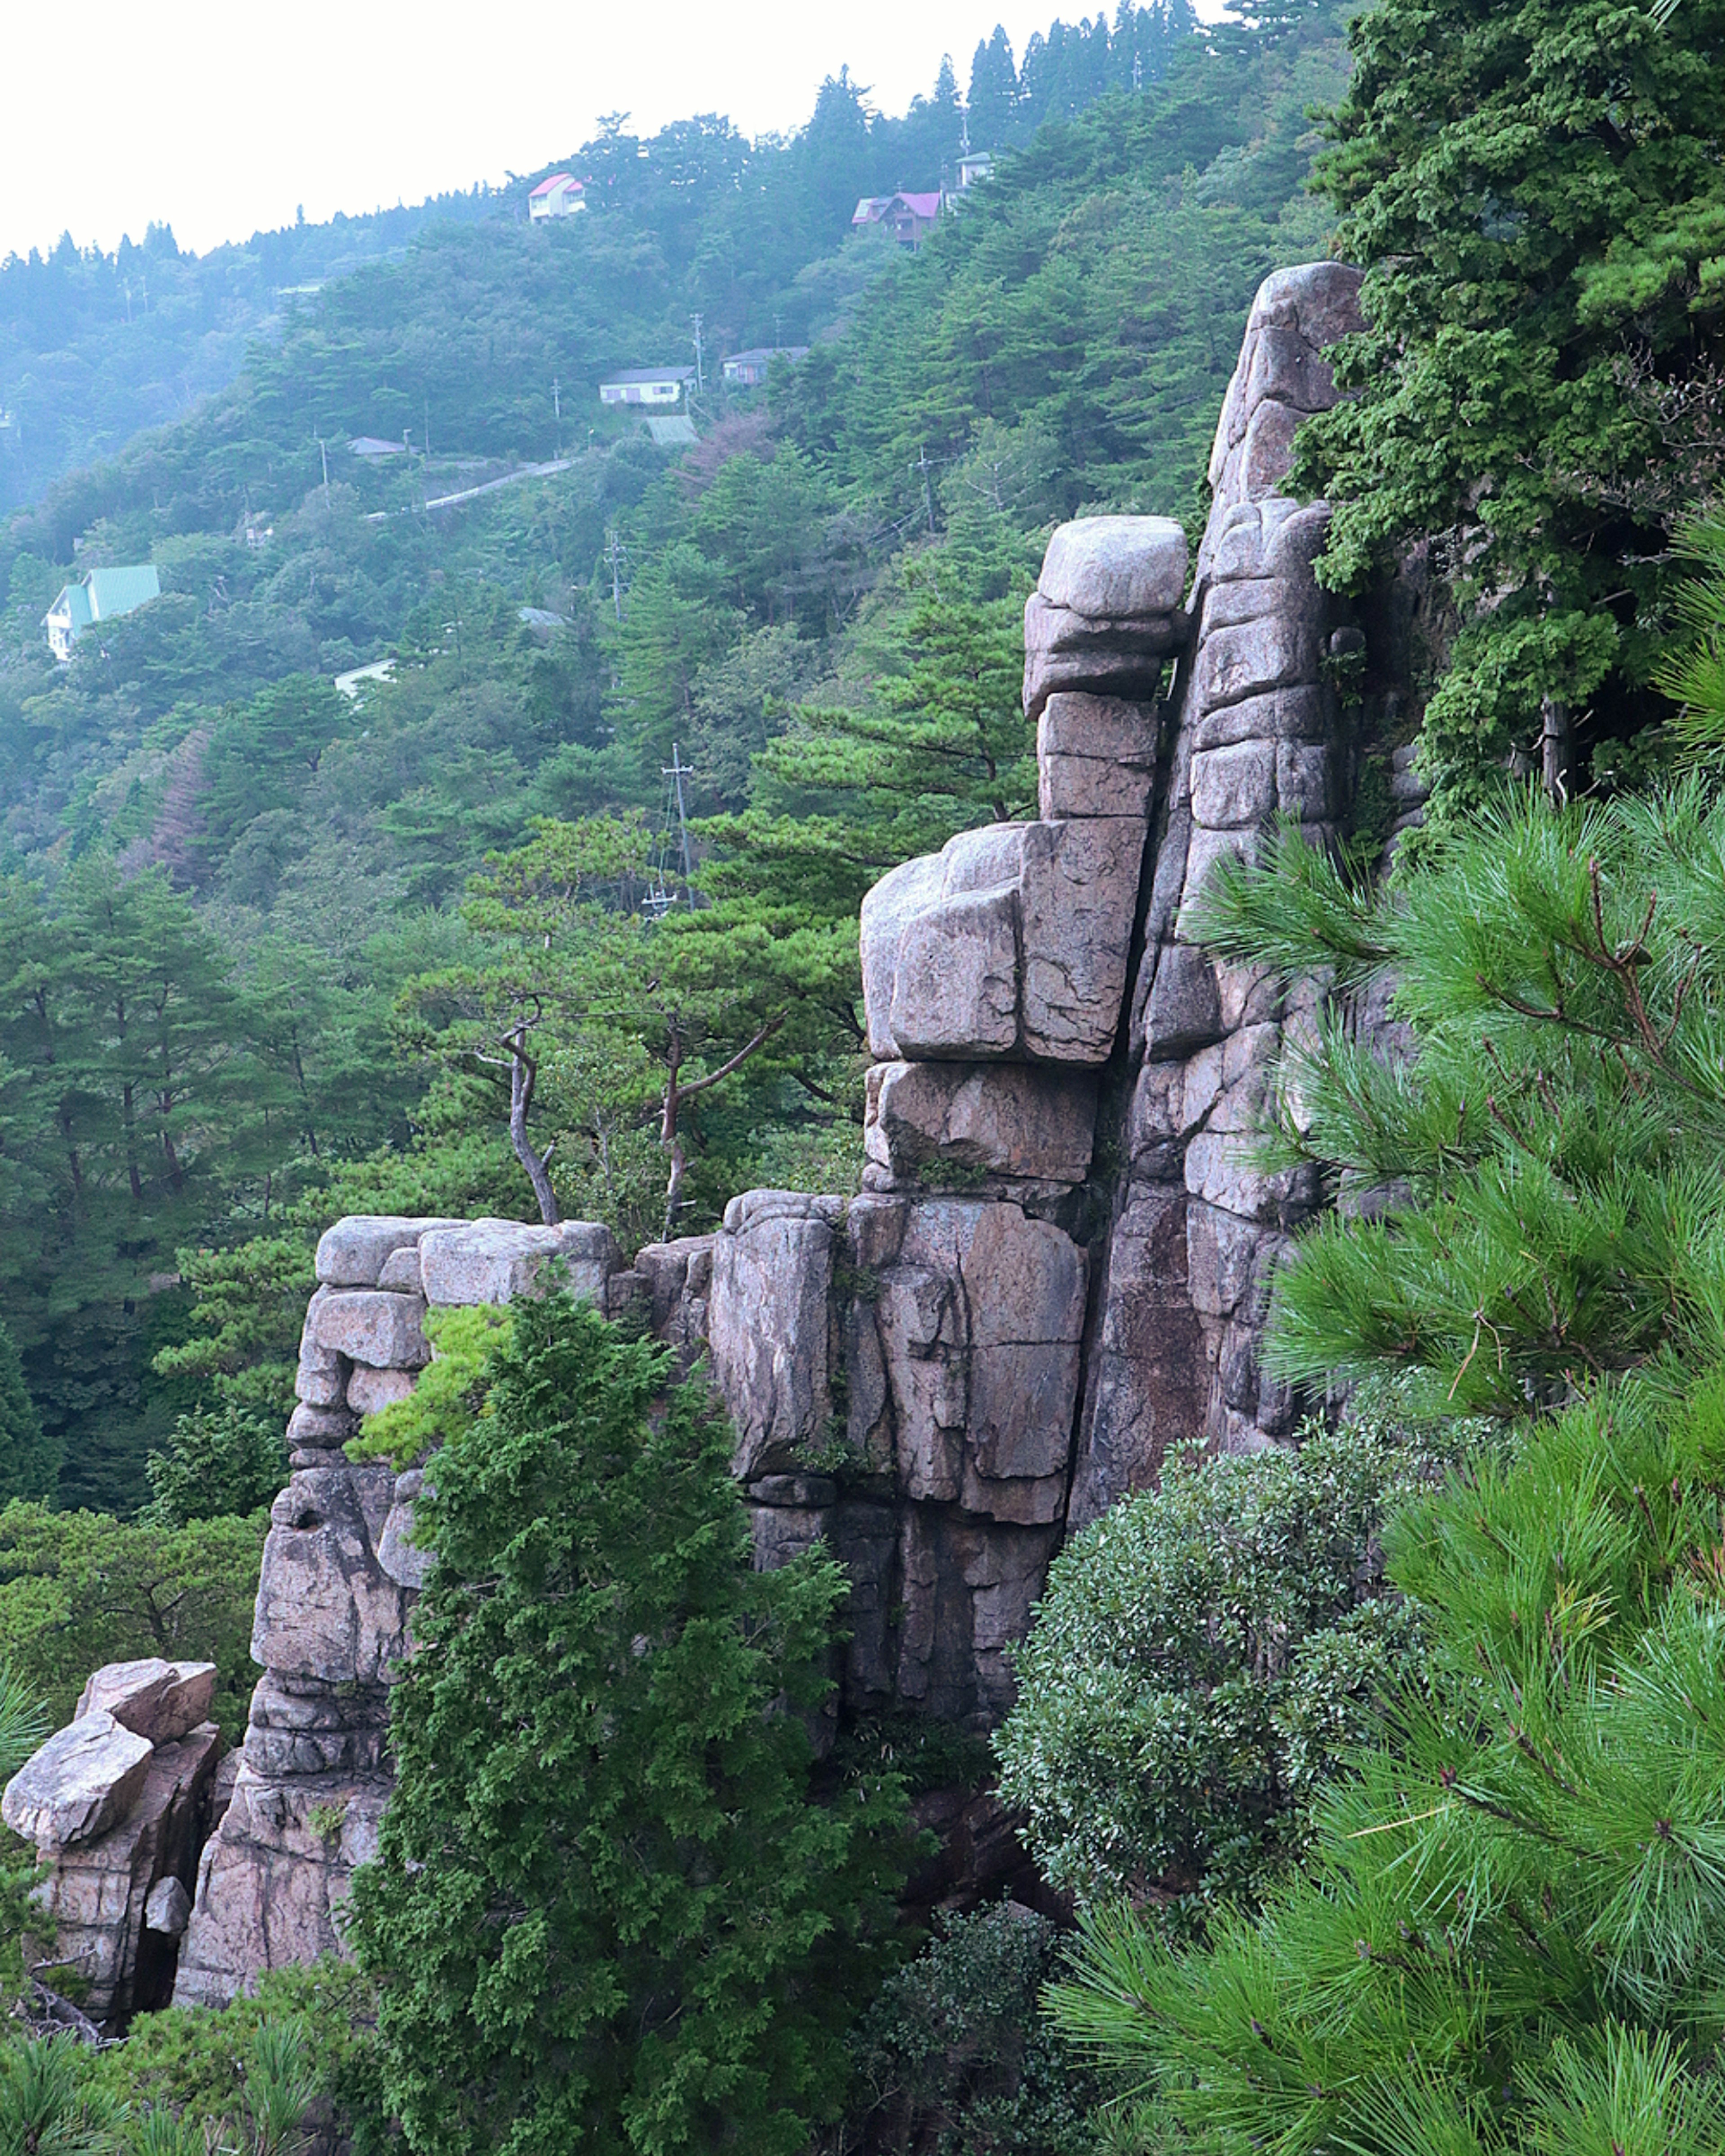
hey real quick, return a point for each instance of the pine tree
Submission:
(606, 1913)
(1508, 1936)
(30, 1465)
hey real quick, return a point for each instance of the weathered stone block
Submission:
(1267, 449)
(1115, 566)
(325, 1608)
(399, 1557)
(1096, 756)
(1250, 658)
(1234, 787)
(156, 1699)
(1118, 655)
(318, 1382)
(370, 1325)
(370, 1391)
(325, 1428)
(1300, 713)
(167, 1908)
(1022, 952)
(1078, 898)
(955, 987)
(1002, 1118)
(496, 1260)
(1183, 1008)
(887, 909)
(77, 1784)
(353, 1253)
(770, 1328)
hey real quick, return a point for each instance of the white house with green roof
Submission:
(101, 596)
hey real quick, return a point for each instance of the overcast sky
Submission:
(222, 119)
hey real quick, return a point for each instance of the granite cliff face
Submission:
(1058, 1264)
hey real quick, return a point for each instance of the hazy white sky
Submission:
(222, 119)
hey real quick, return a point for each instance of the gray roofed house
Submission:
(646, 385)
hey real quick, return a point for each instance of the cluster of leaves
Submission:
(1203, 1657)
(1504, 1935)
(1557, 1122)
(78, 1589)
(954, 2057)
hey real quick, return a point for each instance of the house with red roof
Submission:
(560, 196)
(910, 218)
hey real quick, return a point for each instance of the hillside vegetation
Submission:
(196, 822)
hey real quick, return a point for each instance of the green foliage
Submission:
(1694, 676)
(1536, 196)
(1202, 1657)
(449, 1395)
(1507, 1936)
(78, 1589)
(28, 1464)
(220, 1463)
(606, 1911)
(307, 2032)
(953, 2058)
(1557, 1125)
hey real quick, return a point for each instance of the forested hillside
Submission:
(817, 604)
(95, 347)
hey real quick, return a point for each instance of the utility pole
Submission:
(927, 492)
(616, 582)
(324, 454)
(425, 414)
(557, 406)
(700, 381)
(677, 772)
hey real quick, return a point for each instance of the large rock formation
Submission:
(1058, 1264)
(118, 1804)
(339, 1576)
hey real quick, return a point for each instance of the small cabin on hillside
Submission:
(647, 385)
(748, 370)
(560, 196)
(910, 218)
(103, 595)
(374, 445)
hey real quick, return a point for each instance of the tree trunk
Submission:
(522, 1073)
(1554, 751)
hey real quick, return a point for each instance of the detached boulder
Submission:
(84, 1779)
(155, 1699)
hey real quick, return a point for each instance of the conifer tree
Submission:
(1508, 1936)
(1537, 197)
(607, 1914)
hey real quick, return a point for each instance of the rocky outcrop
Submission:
(339, 1576)
(118, 1804)
(1058, 1264)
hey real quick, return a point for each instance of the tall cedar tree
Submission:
(607, 1913)
(1537, 195)
(1508, 1936)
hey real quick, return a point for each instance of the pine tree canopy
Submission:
(1533, 1192)
(1507, 1936)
